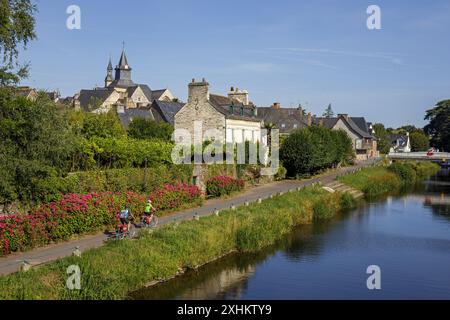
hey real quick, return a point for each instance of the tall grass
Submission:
(111, 271)
(380, 180)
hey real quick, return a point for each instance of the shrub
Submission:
(328, 207)
(172, 197)
(72, 214)
(281, 173)
(315, 148)
(75, 214)
(381, 185)
(141, 128)
(138, 180)
(348, 202)
(405, 171)
(223, 185)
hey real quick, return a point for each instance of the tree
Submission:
(35, 142)
(439, 125)
(329, 113)
(419, 140)
(405, 129)
(384, 142)
(141, 128)
(105, 125)
(17, 25)
(315, 148)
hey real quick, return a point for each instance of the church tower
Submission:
(109, 77)
(123, 72)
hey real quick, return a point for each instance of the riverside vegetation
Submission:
(112, 271)
(383, 179)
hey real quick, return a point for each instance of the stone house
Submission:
(233, 118)
(400, 142)
(359, 131)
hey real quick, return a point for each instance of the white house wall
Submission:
(238, 131)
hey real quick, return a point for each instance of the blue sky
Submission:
(309, 52)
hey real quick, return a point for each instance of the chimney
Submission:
(343, 115)
(239, 95)
(309, 119)
(198, 91)
(276, 105)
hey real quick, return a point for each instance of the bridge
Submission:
(432, 199)
(436, 157)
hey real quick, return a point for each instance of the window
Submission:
(295, 126)
(231, 109)
(283, 125)
(242, 111)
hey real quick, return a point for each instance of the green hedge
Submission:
(117, 180)
(307, 151)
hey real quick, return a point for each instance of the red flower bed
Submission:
(223, 185)
(79, 214)
(174, 196)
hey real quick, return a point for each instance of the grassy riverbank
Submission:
(110, 272)
(114, 270)
(380, 180)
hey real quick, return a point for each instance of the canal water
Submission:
(407, 236)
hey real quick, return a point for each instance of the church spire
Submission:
(109, 77)
(123, 62)
(110, 68)
(123, 71)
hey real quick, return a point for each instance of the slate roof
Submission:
(285, 119)
(89, 98)
(156, 94)
(233, 109)
(167, 110)
(123, 62)
(398, 140)
(147, 91)
(129, 115)
(357, 124)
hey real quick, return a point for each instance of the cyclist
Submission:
(148, 213)
(125, 216)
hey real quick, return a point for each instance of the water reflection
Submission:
(408, 236)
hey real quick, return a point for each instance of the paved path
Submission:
(11, 263)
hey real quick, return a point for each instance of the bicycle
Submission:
(122, 232)
(149, 221)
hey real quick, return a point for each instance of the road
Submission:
(40, 256)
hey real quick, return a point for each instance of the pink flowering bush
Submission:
(71, 215)
(223, 185)
(173, 196)
(75, 214)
